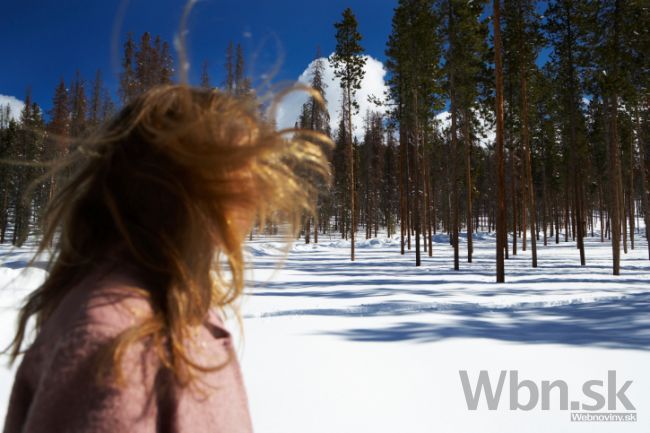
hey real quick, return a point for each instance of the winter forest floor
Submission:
(377, 345)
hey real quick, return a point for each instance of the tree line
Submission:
(564, 83)
(78, 107)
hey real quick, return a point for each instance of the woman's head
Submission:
(172, 185)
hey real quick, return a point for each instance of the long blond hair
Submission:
(176, 179)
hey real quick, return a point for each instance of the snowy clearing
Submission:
(377, 345)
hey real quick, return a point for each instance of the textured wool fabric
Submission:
(57, 390)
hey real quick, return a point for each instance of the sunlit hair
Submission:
(174, 183)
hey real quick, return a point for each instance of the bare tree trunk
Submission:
(527, 166)
(454, 184)
(601, 213)
(501, 204)
(557, 224)
(353, 225)
(408, 190)
(416, 170)
(468, 179)
(402, 189)
(614, 172)
(630, 196)
(431, 207)
(513, 176)
(623, 195)
(4, 222)
(566, 215)
(544, 205)
(644, 181)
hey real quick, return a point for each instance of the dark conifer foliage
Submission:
(315, 117)
(205, 76)
(414, 55)
(564, 84)
(144, 65)
(349, 64)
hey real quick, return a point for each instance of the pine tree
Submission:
(567, 37)
(341, 163)
(59, 124)
(315, 117)
(29, 148)
(205, 76)
(78, 107)
(413, 52)
(618, 52)
(166, 65)
(500, 175)
(95, 108)
(230, 69)
(242, 83)
(108, 106)
(463, 63)
(522, 35)
(389, 201)
(58, 131)
(128, 87)
(348, 64)
(145, 65)
(8, 150)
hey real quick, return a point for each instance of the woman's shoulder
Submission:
(102, 302)
(116, 300)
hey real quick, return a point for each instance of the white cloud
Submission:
(444, 118)
(373, 84)
(15, 105)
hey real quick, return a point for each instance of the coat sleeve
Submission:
(69, 397)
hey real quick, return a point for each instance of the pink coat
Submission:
(56, 390)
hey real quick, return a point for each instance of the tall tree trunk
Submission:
(573, 144)
(468, 180)
(353, 225)
(644, 181)
(557, 223)
(454, 177)
(402, 188)
(630, 196)
(513, 194)
(501, 203)
(527, 159)
(624, 217)
(601, 213)
(614, 173)
(416, 171)
(408, 189)
(5, 214)
(614, 159)
(453, 165)
(429, 202)
(513, 171)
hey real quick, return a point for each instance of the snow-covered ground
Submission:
(377, 345)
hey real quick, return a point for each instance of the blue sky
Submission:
(42, 41)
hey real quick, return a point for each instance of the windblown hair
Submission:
(175, 181)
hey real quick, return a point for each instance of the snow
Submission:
(376, 345)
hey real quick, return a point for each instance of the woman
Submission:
(129, 335)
